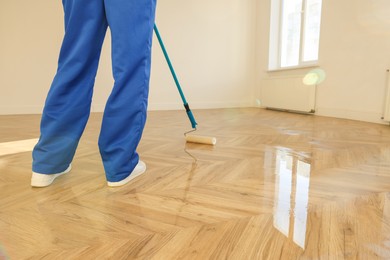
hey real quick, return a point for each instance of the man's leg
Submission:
(131, 24)
(68, 102)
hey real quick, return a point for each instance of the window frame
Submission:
(275, 37)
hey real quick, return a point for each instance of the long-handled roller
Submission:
(189, 138)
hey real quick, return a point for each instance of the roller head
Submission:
(201, 139)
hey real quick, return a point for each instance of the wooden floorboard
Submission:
(276, 186)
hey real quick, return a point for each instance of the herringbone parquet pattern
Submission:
(276, 186)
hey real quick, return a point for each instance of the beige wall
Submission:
(354, 52)
(211, 44)
(219, 49)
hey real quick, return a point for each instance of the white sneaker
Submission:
(44, 180)
(138, 170)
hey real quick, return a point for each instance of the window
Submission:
(294, 33)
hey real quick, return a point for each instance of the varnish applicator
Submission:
(189, 138)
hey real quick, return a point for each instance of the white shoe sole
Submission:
(138, 170)
(40, 180)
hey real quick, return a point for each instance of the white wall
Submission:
(354, 52)
(211, 44)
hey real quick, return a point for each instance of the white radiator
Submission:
(288, 94)
(386, 109)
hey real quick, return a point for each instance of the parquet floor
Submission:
(276, 186)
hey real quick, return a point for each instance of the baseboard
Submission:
(20, 110)
(366, 116)
(199, 105)
(177, 106)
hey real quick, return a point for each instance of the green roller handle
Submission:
(186, 106)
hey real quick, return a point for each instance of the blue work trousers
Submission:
(68, 103)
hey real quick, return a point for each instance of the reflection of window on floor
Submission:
(291, 196)
(17, 146)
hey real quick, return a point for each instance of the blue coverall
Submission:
(68, 103)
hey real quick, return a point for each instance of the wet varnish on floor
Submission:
(276, 186)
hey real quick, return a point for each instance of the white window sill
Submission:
(295, 67)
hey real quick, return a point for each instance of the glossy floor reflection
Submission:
(291, 196)
(276, 186)
(20, 146)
